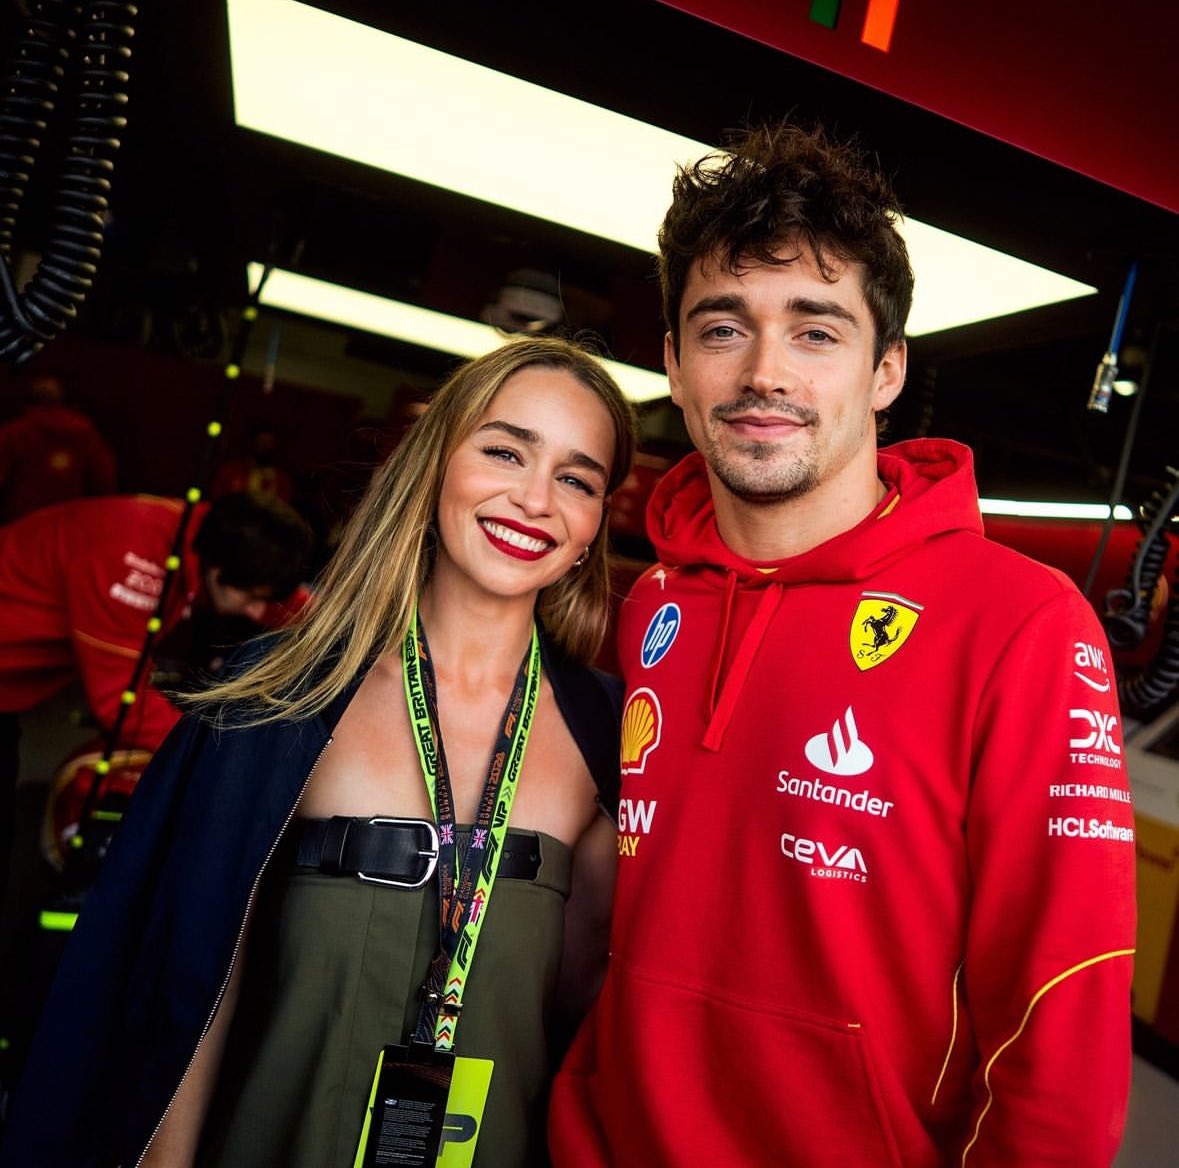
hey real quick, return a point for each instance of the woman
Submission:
(255, 942)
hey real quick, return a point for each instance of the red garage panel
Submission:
(1088, 84)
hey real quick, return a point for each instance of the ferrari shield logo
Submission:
(880, 627)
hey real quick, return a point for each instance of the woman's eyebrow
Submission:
(532, 438)
(579, 458)
(519, 432)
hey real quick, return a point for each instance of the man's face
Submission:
(776, 381)
(228, 600)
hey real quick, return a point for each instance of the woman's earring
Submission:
(581, 559)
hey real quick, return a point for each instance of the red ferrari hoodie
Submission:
(876, 892)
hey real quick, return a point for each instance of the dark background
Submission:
(196, 198)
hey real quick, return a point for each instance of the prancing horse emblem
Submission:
(880, 627)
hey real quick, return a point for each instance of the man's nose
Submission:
(770, 369)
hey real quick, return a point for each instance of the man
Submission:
(50, 454)
(79, 583)
(875, 899)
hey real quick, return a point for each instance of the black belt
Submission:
(399, 852)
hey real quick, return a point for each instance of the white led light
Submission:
(352, 308)
(1052, 510)
(335, 85)
(960, 282)
(314, 78)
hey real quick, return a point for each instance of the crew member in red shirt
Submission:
(80, 581)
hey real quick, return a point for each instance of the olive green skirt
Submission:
(333, 970)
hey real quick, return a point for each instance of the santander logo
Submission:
(840, 751)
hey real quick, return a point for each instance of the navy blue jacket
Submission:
(154, 944)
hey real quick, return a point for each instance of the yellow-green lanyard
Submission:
(463, 896)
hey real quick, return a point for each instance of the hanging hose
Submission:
(90, 42)
(1128, 609)
(87, 43)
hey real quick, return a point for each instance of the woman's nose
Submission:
(533, 493)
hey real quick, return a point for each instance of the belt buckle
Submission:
(430, 854)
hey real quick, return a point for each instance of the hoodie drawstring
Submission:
(722, 642)
(734, 682)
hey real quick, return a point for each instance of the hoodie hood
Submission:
(930, 491)
(930, 480)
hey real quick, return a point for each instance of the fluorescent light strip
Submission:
(960, 282)
(1052, 510)
(317, 79)
(306, 296)
(352, 308)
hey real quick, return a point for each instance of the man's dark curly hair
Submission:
(785, 187)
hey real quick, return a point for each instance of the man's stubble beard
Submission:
(749, 471)
(753, 477)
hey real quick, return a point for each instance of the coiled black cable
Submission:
(88, 41)
(1143, 693)
(1128, 609)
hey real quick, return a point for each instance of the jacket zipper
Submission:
(237, 945)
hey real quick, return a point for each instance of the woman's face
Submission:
(524, 493)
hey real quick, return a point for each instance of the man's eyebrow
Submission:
(532, 438)
(802, 305)
(807, 306)
(729, 302)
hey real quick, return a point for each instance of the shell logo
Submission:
(642, 726)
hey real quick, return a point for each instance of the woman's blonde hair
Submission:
(365, 599)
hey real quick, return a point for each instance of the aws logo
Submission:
(642, 728)
(1088, 660)
(878, 20)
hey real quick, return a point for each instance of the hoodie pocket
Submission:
(687, 1077)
